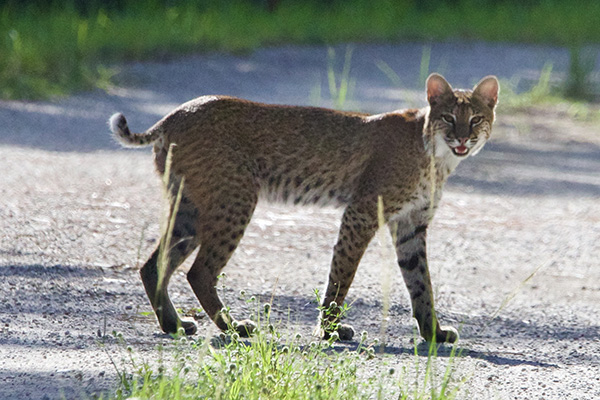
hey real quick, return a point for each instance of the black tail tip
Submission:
(118, 123)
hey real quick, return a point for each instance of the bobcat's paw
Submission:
(345, 332)
(188, 327)
(244, 328)
(446, 334)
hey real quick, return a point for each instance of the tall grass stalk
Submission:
(517, 289)
(168, 223)
(386, 272)
(579, 85)
(424, 65)
(389, 73)
(340, 86)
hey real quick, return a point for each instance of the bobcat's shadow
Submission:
(402, 334)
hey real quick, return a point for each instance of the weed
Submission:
(387, 270)
(389, 73)
(579, 84)
(541, 92)
(168, 223)
(425, 383)
(516, 290)
(340, 86)
(424, 70)
(424, 65)
(546, 91)
(331, 315)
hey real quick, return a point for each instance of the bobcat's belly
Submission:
(310, 192)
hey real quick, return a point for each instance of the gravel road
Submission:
(78, 215)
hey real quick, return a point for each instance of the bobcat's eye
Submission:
(476, 120)
(448, 118)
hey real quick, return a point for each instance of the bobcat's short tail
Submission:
(120, 129)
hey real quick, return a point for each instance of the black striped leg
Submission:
(412, 258)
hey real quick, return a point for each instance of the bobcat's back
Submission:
(303, 155)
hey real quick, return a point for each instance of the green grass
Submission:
(57, 50)
(541, 91)
(548, 91)
(272, 365)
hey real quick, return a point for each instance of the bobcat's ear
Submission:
(437, 89)
(487, 89)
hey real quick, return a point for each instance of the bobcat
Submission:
(226, 153)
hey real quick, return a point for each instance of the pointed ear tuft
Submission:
(437, 88)
(487, 89)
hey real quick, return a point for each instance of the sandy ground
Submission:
(78, 216)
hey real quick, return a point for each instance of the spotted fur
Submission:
(231, 152)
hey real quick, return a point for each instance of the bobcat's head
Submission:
(461, 120)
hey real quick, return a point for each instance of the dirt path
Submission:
(78, 216)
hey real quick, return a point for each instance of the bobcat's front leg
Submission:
(359, 224)
(412, 259)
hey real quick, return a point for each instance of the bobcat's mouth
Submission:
(460, 150)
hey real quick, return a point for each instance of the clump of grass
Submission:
(326, 312)
(341, 85)
(433, 381)
(276, 366)
(540, 92)
(268, 367)
(548, 90)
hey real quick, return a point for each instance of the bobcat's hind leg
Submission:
(222, 231)
(183, 242)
